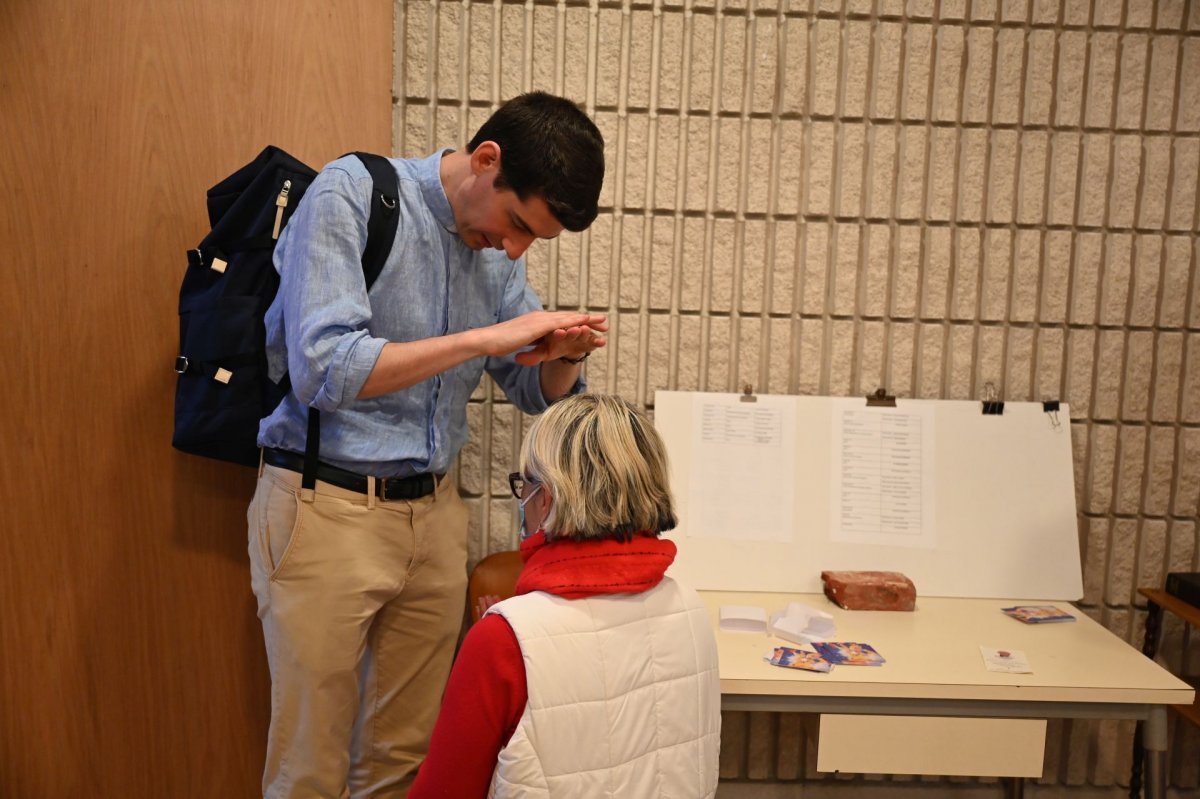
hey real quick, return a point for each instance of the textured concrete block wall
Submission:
(824, 197)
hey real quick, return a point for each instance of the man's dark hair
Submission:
(548, 147)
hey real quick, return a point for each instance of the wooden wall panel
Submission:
(131, 660)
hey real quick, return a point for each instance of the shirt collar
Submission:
(434, 193)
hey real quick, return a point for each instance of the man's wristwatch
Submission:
(578, 360)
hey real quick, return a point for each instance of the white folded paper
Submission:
(743, 619)
(801, 624)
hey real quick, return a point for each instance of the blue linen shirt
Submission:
(326, 331)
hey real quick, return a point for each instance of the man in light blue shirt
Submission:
(361, 581)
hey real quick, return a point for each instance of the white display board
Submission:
(772, 492)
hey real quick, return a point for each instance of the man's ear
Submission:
(485, 156)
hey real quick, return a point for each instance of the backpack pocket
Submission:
(223, 390)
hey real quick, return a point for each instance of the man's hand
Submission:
(553, 334)
(572, 342)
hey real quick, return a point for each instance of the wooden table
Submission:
(934, 668)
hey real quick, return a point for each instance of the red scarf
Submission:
(577, 569)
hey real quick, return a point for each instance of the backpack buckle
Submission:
(181, 364)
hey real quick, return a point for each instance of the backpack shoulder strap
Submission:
(381, 227)
(381, 232)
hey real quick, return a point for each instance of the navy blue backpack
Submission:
(223, 389)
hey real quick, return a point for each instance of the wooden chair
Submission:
(495, 575)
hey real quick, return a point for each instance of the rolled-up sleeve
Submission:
(330, 353)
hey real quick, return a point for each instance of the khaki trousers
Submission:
(361, 602)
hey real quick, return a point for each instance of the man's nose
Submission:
(515, 245)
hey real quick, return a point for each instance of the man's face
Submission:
(497, 218)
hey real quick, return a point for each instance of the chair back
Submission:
(495, 575)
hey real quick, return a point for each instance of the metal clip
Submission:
(881, 399)
(1051, 407)
(991, 405)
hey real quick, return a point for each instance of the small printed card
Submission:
(848, 653)
(1009, 661)
(1038, 614)
(790, 658)
(743, 619)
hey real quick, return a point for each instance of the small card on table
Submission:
(1037, 614)
(1008, 661)
(791, 658)
(849, 653)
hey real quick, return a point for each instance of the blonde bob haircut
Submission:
(605, 467)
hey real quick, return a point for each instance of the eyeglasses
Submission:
(517, 483)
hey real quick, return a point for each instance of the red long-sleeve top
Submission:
(486, 695)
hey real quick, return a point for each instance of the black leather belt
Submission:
(386, 488)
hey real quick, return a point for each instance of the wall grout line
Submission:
(1121, 437)
(926, 175)
(947, 326)
(399, 76)
(739, 218)
(770, 227)
(618, 216)
(1140, 551)
(1014, 251)
(898, 150)
(647, 218)
(710, 192)
(554, 254)
(800, 246)
(681, 177)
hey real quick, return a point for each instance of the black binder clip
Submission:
(881, 399)
(1051, 407)
(991, 405)
(748, 394)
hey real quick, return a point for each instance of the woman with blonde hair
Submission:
(599, 678)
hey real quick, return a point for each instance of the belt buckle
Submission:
(383, 488)
(392, 489)
(405, 488)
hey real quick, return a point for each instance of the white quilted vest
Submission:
(624, 698)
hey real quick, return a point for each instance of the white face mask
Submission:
(521, 531)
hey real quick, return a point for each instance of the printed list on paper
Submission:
(882, 476)
(743, 469)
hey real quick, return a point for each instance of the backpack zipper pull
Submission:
(280, 203)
